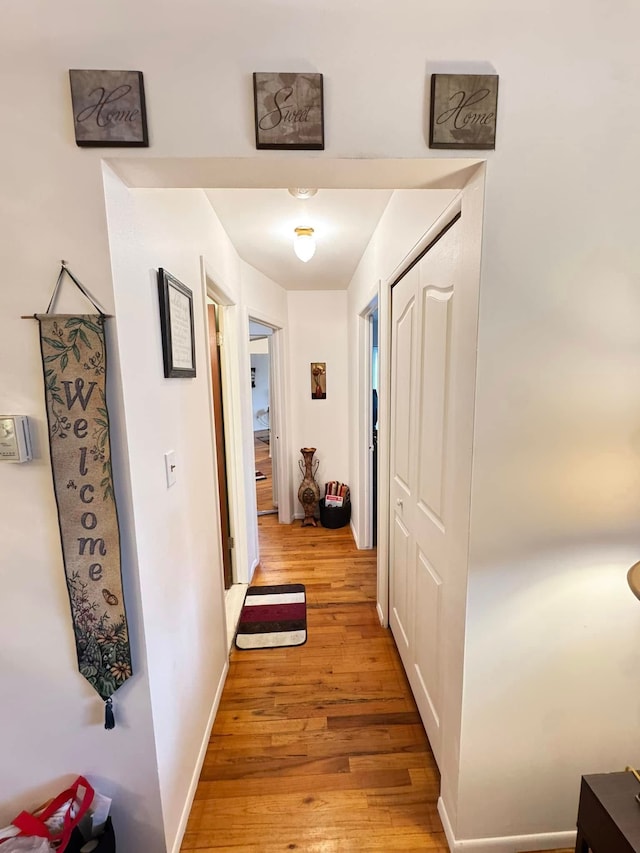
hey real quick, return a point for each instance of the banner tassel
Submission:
(109, 720)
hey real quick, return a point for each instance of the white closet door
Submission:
(423, 306)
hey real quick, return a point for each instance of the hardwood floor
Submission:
(318, 748)
(264, 488)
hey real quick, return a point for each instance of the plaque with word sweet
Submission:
(109, 108)
(464, 108)
(289, 111)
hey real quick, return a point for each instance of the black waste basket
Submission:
(335, 516)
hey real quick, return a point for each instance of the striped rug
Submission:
(272, 617)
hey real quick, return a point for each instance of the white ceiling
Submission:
(260, 224)
(260, 219)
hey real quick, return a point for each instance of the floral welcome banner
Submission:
(74, 365)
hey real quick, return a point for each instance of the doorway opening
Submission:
(264, 447)
(374, 424)
(221, 329)
(433, 173)
(368, 441)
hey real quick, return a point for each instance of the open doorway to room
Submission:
(368, 441)
(373, 320)
(263, 447)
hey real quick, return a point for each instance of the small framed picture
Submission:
(318, 380)
(109, 108)
(176, 324)
(289, 111)
(464, 108)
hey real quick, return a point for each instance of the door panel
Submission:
(404, 369)
(402, 592)
(427, 634)
(421, 483)
(403, 468)
(434, 378)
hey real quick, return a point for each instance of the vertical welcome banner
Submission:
(74, 365)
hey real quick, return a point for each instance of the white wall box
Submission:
(15, 439)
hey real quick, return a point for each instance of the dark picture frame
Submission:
(289, 111)
(318, 380)
(463, 111)
(176, 326)
(109, 108)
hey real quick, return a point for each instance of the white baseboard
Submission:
(182, 826)
(253, 567)
(506, 844)
(383, 621)
(354, 534)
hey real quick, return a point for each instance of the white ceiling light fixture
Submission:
(304, 244)
(302, 192)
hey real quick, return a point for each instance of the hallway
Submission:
(319, 747)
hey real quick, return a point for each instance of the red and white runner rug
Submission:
(272, 617)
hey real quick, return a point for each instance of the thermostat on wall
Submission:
(15, 440)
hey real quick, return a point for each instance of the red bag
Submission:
(72, 805)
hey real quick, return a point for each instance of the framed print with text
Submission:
(289, 111)
(176, 324)
(464, 109)
(109, 108)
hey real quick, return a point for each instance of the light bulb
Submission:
(304, 244)
(302, 192)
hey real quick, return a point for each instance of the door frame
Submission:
(214, 311)
(365, 423)
(232, 406)
(469, 201)
(278, 424)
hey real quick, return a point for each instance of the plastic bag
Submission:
(56, 821)
(21, 844)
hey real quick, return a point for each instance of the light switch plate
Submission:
(170, 466)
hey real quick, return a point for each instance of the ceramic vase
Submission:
(309, 491)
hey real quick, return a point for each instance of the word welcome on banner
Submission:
(74, 365)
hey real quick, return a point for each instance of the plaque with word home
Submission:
(109, 108)
(464, 108)
(289, 111)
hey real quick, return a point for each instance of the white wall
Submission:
(556, 484)
(318, 332)
(177, 528)
(179, 560)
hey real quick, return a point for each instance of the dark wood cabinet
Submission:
(609, 814)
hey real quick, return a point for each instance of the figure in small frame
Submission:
(318, 380)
